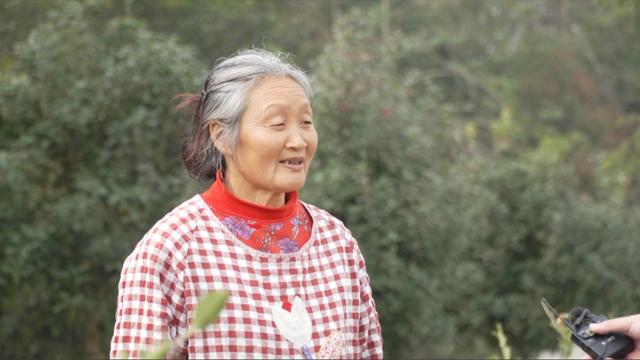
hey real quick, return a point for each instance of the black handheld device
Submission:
(598, 346)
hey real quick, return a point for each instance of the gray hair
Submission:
(224, 100)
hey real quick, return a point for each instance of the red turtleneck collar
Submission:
(221, 199)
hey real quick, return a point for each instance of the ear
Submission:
(215, 131)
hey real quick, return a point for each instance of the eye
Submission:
(307, 122)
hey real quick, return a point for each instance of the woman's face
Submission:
(276, 140)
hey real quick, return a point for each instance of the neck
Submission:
(245, 191)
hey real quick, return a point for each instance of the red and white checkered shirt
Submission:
(189, 253)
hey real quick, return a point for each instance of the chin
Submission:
(293, 185)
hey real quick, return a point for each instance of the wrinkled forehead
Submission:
(280, 91)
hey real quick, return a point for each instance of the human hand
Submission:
(628, 325)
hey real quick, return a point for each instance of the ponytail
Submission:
(199, 155)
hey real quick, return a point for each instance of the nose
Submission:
(296, 140)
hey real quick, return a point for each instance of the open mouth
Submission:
(292, 162)
(296, 163)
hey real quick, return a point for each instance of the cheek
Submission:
(312, 143)
(263, 150)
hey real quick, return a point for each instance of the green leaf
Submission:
(505, 349)
(209, 308)
(159, 352)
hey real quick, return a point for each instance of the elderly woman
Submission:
(296, 278)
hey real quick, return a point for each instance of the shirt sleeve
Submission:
(151, 306)
(369, 330)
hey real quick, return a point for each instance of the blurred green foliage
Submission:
(89, 158)
(484, 154)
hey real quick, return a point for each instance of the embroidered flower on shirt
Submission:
(238, 227)
(287, 245)
(332, 347)
(294, 323)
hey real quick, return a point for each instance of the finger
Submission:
(635, 354)
(622, 324)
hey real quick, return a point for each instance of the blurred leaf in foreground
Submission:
(159, 352)
(209, 308)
